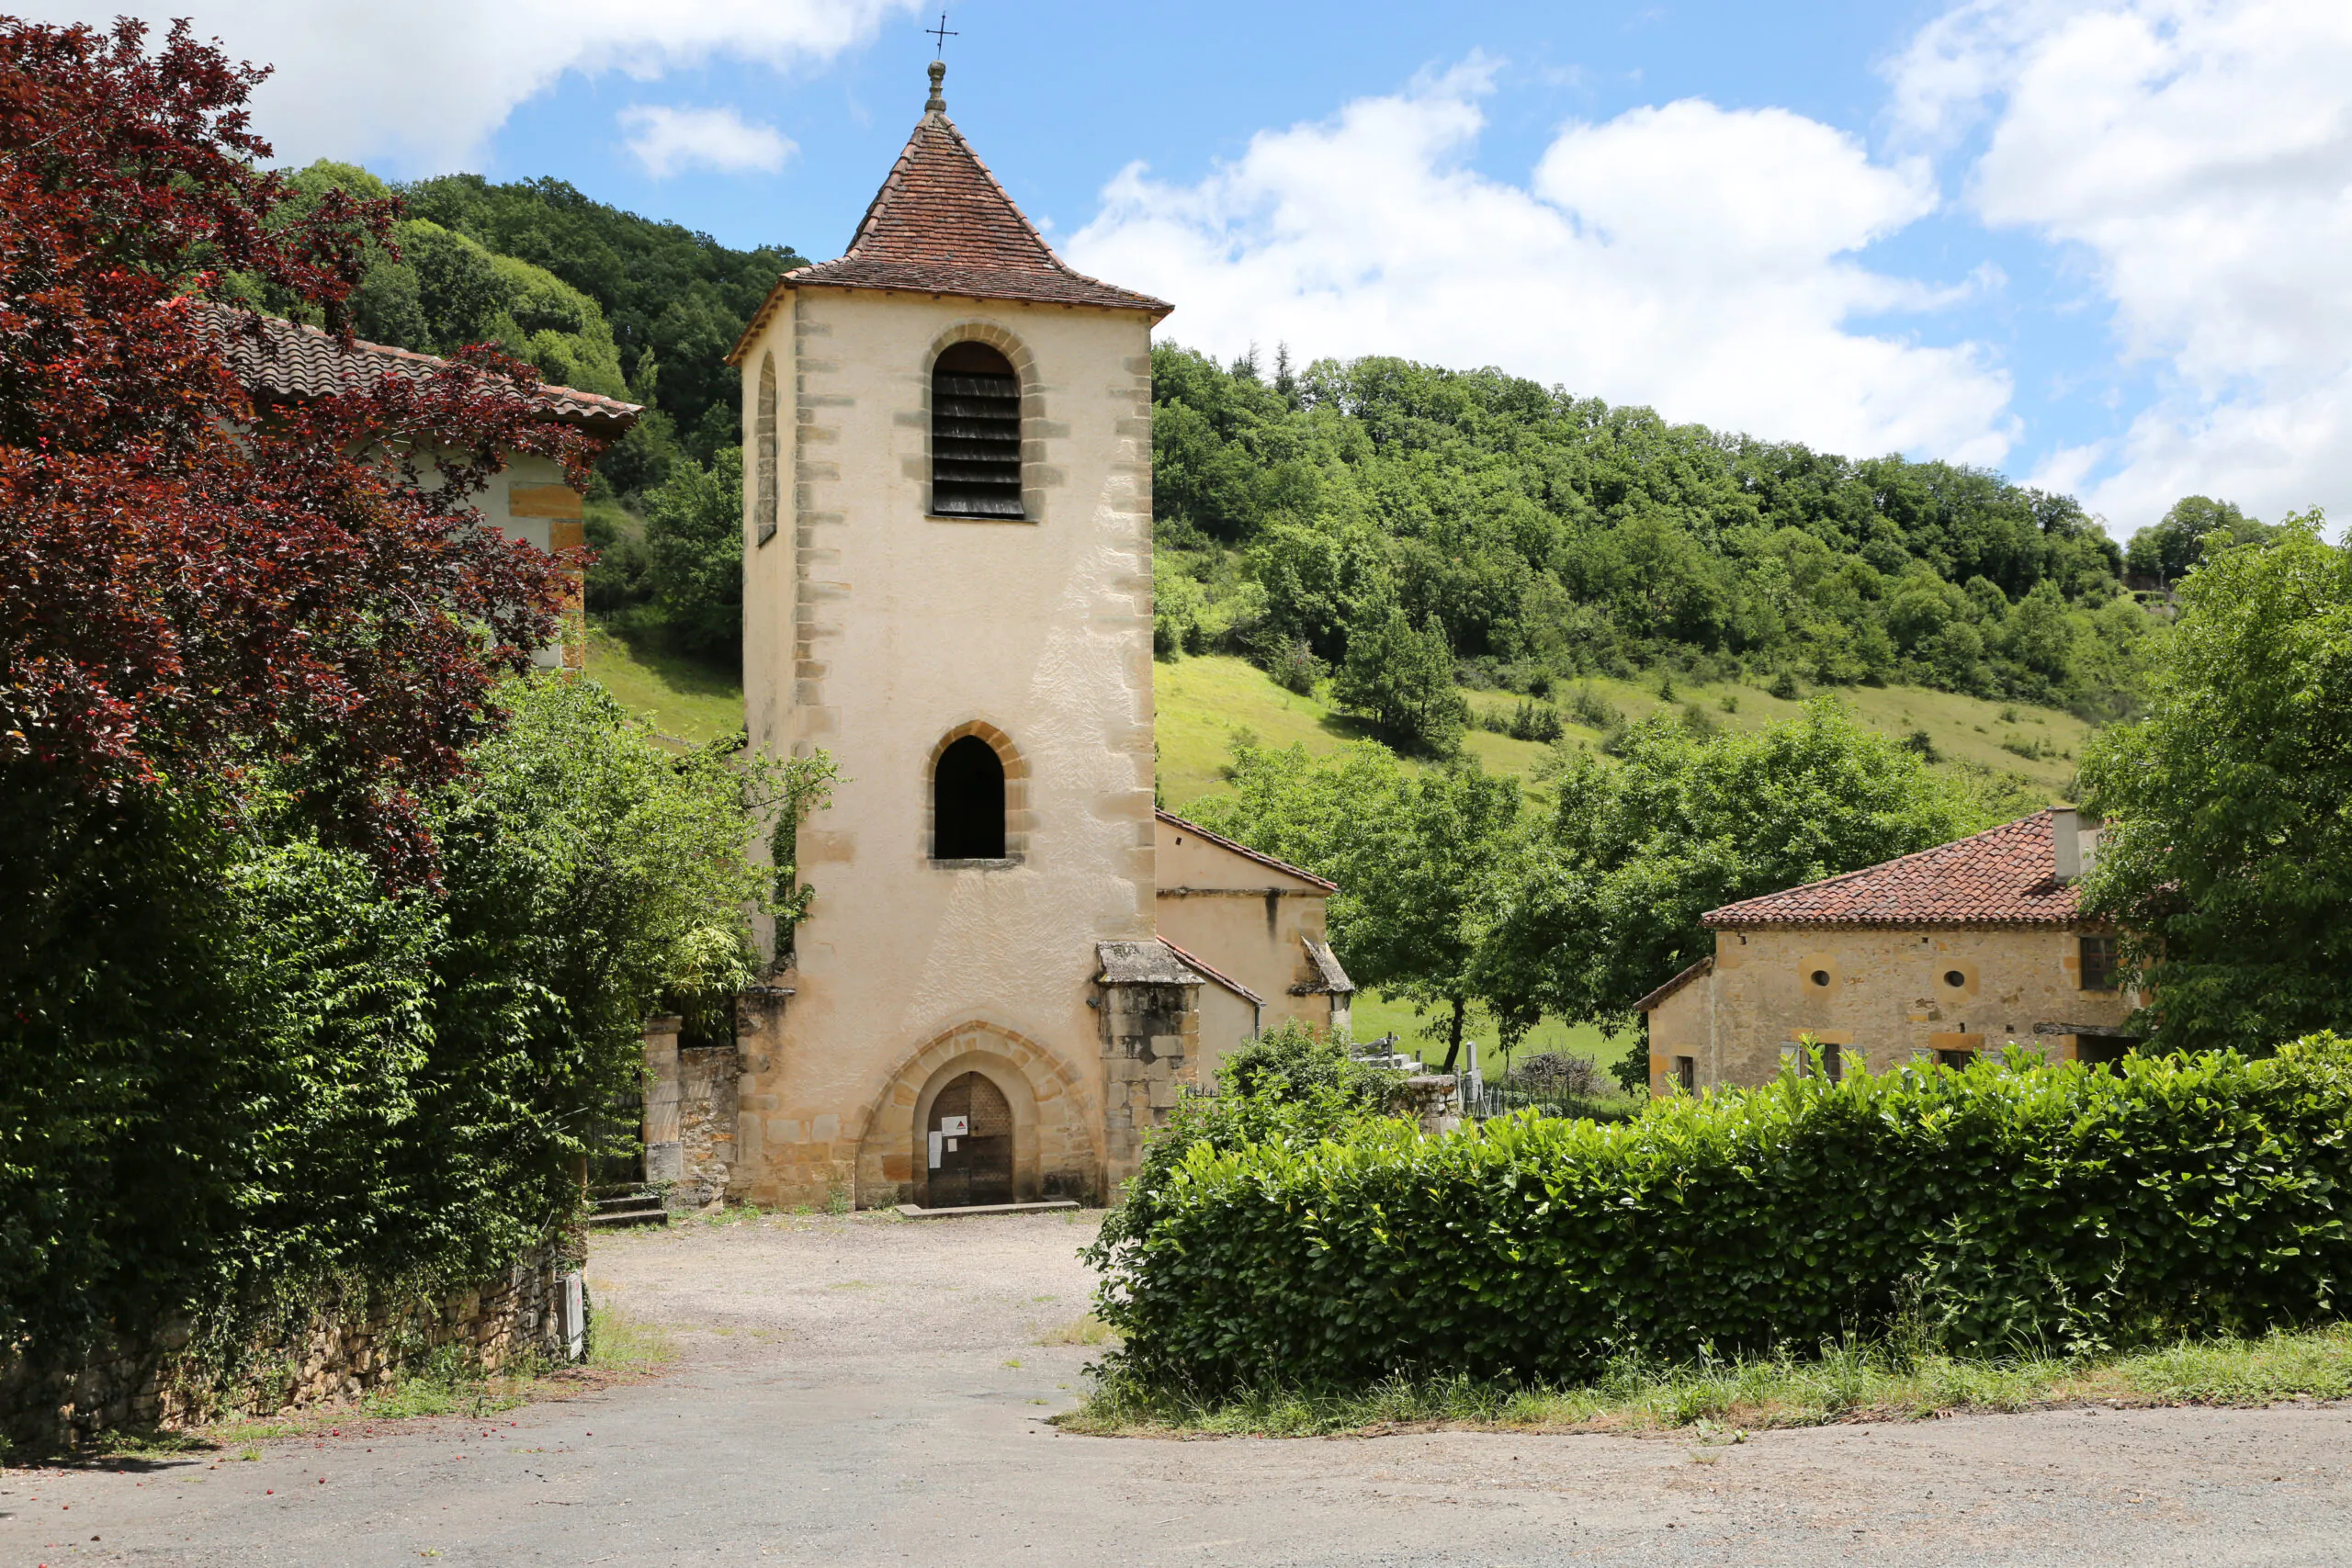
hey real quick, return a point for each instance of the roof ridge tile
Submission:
(2004, 875)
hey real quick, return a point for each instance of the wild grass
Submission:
(683, 698)
(1845, 1383)
(1087, 1330)
(1203, 702)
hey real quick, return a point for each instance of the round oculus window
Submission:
(1954, 979)
(1821, 977)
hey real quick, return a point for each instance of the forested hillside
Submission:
(1397, 528)
(596, 298)
(1544, 536)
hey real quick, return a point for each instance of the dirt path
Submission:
(863, 1392)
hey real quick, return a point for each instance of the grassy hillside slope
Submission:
(1204, 702)
(683, 699)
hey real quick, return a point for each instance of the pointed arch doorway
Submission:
(970, 1140)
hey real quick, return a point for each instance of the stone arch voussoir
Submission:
(1057, 1128)
(1020, 814)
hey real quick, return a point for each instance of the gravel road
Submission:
(860, 1391)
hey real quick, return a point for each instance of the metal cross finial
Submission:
(943, 33)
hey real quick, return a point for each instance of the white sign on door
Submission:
(955, 1126)
(936, 1139)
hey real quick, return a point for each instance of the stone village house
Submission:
(1014, 965)
(527, 500)
(1934, 956)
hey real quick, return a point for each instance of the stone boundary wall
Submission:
(708, 1075)
(516, 1317)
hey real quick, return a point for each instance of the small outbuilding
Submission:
(1934, 956)
(1253, 928)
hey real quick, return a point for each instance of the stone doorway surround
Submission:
(1056, 1138)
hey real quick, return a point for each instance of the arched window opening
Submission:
(975, 435)
(967, 802)
(764, 433)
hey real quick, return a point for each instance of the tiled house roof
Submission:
(2005, 876)
(1221, 841)
(941, 224)
(1704, 967)
(295, 361)
(1216, 975)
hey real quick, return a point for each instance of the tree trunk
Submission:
(1453, 1041)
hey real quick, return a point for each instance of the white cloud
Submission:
(2199, 154)
(1694, 258)
(425, 83)
(667, 139)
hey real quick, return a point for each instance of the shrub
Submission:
(1291, 1084)
(2010, 1205)
(1294, 667)
(1294, 1061)
(1593, 710)
(1784, 686)
(1568, 1078)
(1178, 603)
(1538, 721)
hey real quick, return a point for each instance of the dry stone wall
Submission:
(341, 1350)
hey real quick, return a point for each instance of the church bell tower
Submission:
(947, 586)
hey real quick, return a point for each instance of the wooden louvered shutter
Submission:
(975, 435)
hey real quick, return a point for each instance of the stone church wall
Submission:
(877, 631)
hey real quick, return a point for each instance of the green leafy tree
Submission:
(2227, 854)
(1419, 859)
(2170, 548)
(694, 528)
(1401, 677)
(675, 299)
(1176, 605)
(1609, 900)
(238, 1071)
(1545, 534)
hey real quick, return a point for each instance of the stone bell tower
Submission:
(947, 585)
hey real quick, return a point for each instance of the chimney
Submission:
(2073, 839)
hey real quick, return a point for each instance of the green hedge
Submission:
(2010, 1204)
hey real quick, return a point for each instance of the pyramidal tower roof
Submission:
(941, 224)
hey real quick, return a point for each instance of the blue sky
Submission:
(2098, 244)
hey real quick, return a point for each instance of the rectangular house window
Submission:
(2098, 964)
(1686, 1073)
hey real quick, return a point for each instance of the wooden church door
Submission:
(970, 1139)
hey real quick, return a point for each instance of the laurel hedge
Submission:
(2012, 1204)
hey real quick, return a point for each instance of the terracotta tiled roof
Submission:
(2005, 876)
(1704, 966)
(1221, 841)
(941, 224)
(1216, 975)
(295, 361)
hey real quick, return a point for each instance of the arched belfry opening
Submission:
(975, 435)
(967, 802)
